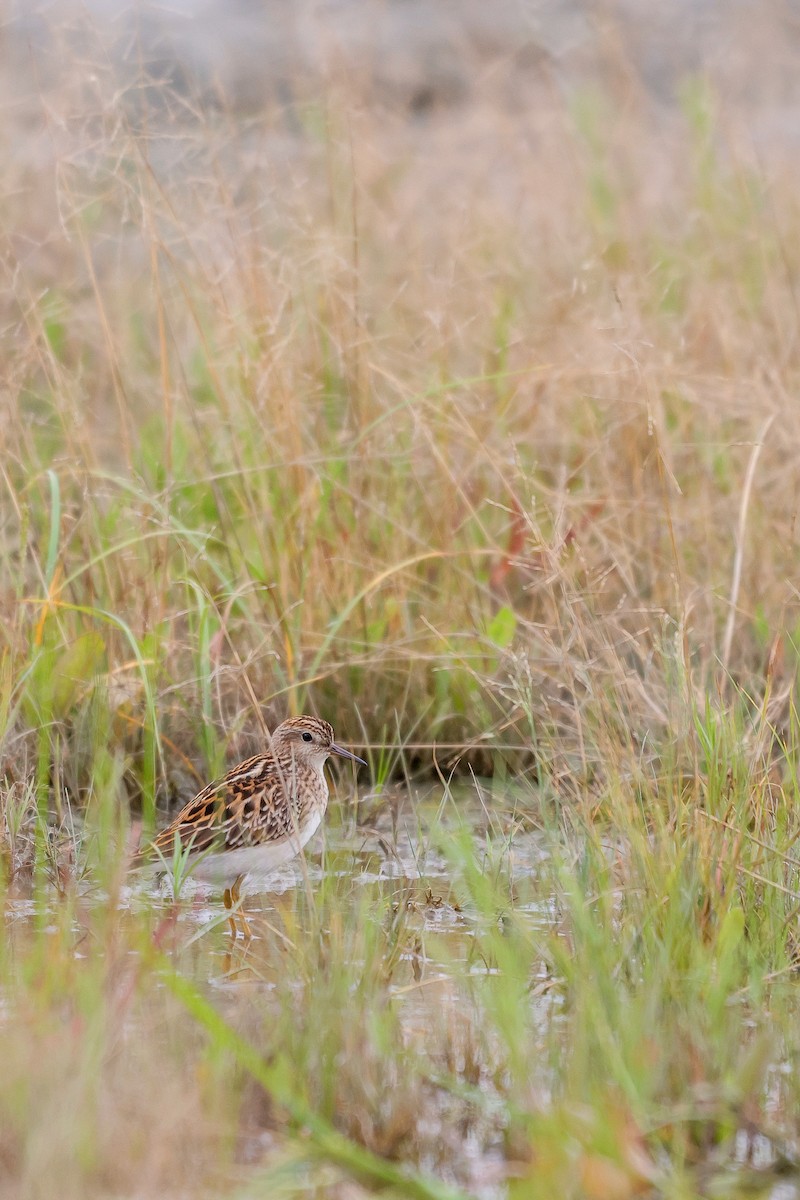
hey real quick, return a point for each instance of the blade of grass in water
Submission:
(55, 528)
(327, 1141)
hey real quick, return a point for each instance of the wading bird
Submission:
(260, 814)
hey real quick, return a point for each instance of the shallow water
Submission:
(389, 859)
(392, 860)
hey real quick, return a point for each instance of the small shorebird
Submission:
(261, 813)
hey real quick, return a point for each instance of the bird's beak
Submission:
(340, 750)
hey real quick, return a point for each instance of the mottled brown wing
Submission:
(200, 823)
(257, 811)
(245, 808)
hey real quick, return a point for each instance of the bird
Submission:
(260, 814)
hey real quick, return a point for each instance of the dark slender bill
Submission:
(340, 750)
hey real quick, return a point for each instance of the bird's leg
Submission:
(227, 900)
(232, 900)
(247, 932)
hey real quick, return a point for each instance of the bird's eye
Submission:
(307, 737)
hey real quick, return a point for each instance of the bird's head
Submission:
(308, 740)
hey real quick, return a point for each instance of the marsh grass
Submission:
(475, 435)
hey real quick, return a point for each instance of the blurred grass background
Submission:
(465, 416)
(441, 430)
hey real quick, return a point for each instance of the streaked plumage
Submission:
(263, 811)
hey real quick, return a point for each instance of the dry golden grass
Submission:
(317, 410)
(475, 434)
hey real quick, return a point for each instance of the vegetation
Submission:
(479, 440)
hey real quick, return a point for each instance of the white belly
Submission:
(224, 867)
